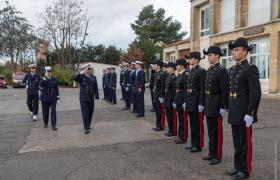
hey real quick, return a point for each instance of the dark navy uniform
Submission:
(158, 93)
(127, 88)
(49, 96)
(121, 84)
(140, 90)
(133, 90)
(195, 96)
(152, 81)
(103, 85)
(32, 81)
(107, 86)
(88, 94)
(179, 101)
(245, 94)
(113, 85)
(170, 92)
(216, 98)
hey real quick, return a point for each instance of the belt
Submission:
(179, 90)
(233, 95)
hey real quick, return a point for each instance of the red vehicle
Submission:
(17, 80)
(3, 83)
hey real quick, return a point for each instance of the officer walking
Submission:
(113, 85)
(179, 101)
(194, 104)
(216, 103)
(169, 100)
(88, 94)
(159, 95)
(140, 89)
(32, 80)
(245, 95)
(49, 97)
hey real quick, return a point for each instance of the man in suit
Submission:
(140, 89)
(194, 101)
(216, 103)
(244, 100)
(88, 94)
(32, 80)
(49, 97)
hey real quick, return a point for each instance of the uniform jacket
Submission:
(88, 87)
(121, 78)
(152, 79)
(113, 80)
(140, 80)
(216, 90)
(180, 93)
(245, 92)
(32, 83)
(158, 86)
(170, 90)
(49, 90)
(126, 78)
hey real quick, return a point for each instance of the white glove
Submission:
(127, 89)
(200, 108)
(222, 112)
(184, 106)
(160, 100)
(174, 105)
(248, 120)
(44, 78)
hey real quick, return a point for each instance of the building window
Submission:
(204, 21)
(260, 56)
(226, 60)
(227, 15)
(258, 12)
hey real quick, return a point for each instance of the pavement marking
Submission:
(104, 133)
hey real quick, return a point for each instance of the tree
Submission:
(112, 55)
(17, 40)
(153, 30)
(65, 25)
(133, 53)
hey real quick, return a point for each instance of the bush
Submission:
(64, 76)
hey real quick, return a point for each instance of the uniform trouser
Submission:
(242, 148)
(114, 95)
(152, 97)
(104, 91)
(110, 95)
(134, 98)
(33, 103)
(158, 112)
(140, 104)
(46, 106)
(122, 90)
(180, 113)
(196, 130)
(128, 99)
(87, 109)
(215, 134)
(170, 119)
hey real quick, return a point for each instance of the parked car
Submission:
(17, 80)
(3, 83)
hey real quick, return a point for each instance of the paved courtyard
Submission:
(120, 146)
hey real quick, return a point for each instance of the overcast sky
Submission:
(111, 18)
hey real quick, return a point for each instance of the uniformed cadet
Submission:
(108, 85)
(140, 89)
(216, 103)
(132, 86)
(194, 101)
(245, 95)
(88, 94)
(151, 86)
(126, 86)
(121, 81)
(179, 101)
(170, 91)
(159, 95)
(103, 83)
(32, 80)
(49, 96)
(113, 85)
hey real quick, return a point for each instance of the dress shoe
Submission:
(45, 126)
(240, 175)
(178, 141)
(125, 109)
(188, 147)
(214, 161)
(133, 111)
(157, 129)
(207, 158)
(195, 149)
(54, 128)
(113, 103)
(87, 131)
(168, 134)
(139, 116)
(122, 99)
(232, 172)
(152, 110)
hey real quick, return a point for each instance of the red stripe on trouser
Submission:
(249, 149)
(220, 137)
(201, 130)
(162, 115)
(174, 122)
(185, 126)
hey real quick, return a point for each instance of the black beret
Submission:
(158, 62)
(181, 62)
(194, 54)
(214, 50)
(171, 64)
